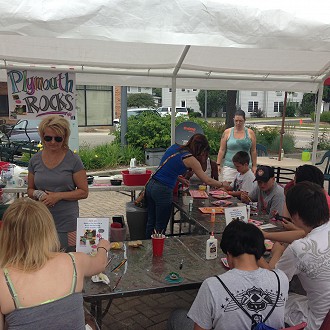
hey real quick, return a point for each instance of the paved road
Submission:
(96, 138)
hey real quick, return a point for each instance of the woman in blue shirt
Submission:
(176, 161)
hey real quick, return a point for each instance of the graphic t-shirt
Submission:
(255, 290)
(244, 182)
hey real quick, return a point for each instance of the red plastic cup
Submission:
(158, 245)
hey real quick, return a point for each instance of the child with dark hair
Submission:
(256, 289)
(306, 173)
(308, 257)
(244, 179)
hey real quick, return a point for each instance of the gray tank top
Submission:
(63, 313)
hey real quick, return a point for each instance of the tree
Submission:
(231, 108)
(157, 92)
(326, 94)
(140, 100)
(308, 103)
(216, 100)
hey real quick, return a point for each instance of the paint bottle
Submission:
(190, 207)
(211, 247)
(213, 215)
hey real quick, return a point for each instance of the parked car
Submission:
(135, 112)
(179, 111)
(23, 130)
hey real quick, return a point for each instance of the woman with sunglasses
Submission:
(57, 177)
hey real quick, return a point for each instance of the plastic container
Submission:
(157, 245)
(136, 179)
(305, 156)
(211, 248)
(117, 234)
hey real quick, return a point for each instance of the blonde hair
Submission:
(28, 235)
(57, 123)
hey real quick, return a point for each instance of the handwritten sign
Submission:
(34, 94)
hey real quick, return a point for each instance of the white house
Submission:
(249, 101)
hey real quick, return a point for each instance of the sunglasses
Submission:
(48, 138)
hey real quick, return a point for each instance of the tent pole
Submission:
(123, 115)
(173, 110)
(317, 122)
(282, 127)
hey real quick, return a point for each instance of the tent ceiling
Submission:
(232, 45)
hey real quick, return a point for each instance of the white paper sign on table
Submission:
(236, 213)
(89, 233)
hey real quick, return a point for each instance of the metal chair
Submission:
(326, 172)
(261, 150)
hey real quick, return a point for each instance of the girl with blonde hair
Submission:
(40, 286)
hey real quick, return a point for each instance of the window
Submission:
(278, 106)
(183, 104)
(252, 106)
(295, 94)
(254, 93)
(94, 105)
(194, 90)
(278, 93)
(183, 89)
(170, 90)
(139, 89)
(128, 89)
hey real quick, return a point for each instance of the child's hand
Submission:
(278, 248)
(244, 196)
(289, 225)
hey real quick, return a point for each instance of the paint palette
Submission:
(198, 194)
(219, 194)
(218, 209)
(222, 203)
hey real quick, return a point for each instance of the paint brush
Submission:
(119, 265)
(113, 289)
(108, 263)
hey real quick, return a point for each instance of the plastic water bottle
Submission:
(132, 163)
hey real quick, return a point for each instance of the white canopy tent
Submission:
(259, 45)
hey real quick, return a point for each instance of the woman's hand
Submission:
(51, 198)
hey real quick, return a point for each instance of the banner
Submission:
(34, 94)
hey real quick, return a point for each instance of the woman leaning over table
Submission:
(41, 287)
(234, 139)
(159, 190)
(57, 177)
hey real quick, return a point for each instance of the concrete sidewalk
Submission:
(147, 311)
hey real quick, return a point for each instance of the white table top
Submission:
(291, 163)
(91, 188)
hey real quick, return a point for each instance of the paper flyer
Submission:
(235, 213)
(89, 232)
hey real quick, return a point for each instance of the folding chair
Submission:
(261, 150)
(326, 172)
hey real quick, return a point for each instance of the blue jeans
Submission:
(159, 204)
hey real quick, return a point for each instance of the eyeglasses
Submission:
(48, 138)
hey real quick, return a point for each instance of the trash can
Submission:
(137, 218)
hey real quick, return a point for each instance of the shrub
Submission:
(108, 155)
(325, 116)
(267, 135)
(323, 141)
(287, 145)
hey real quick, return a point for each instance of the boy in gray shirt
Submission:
(268, 194)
